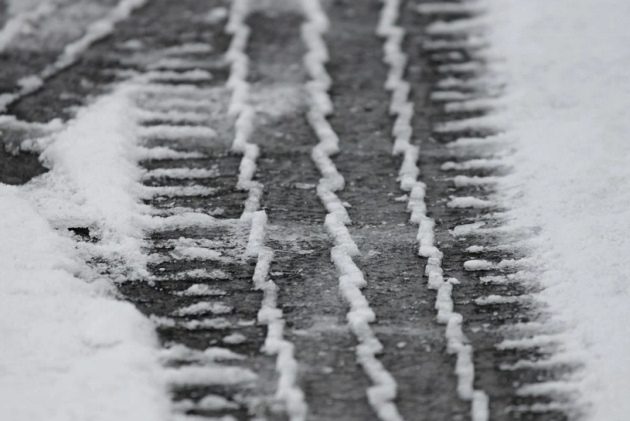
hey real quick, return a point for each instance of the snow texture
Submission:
(68, 345)
(567, 72)
(94, 180)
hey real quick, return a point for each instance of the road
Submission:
(359, 336)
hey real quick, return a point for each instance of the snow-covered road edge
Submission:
(567, 102)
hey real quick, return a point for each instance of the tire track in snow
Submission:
(413, 341)
(270, 315)
(315, 314)
(244, 236)
(382, 393)
(402, 108)
(467, 158)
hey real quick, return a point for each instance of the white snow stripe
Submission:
(196, 75)
(382, 393)
(186, 91)
(270, 315)
(490, 300)
(469, 202)
(479, 142)
(216, 323)
(538, 341)
(149, 192)
(201, 290)
(466, 181)
(189, 48)
(287, 389)
(474, 105)
(470, 43)
(179, 63)
(485, 123)
(181, 353)
(408, 174)
(181, 173)
(475, 164)
(204, 307)
(213, 274)
(183, 220)
(505, 264)
(169, 132)
(465, 68)
(547, 389)
(458, 26)
(453, 95)
(182, 104)
(486, 83)
(173, 116)
(555, 361)
(207, 375)
(207, 403)
(163, 153)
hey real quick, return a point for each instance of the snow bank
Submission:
(567, 66)
(69, 351)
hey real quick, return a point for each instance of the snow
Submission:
(170, 132)
(474, 164)
(207, 403)
(164, 153)
(465, 181)
(182, 173)
(567, 101)
(174, 116)
(94, 179)
(199, 290)
(209, 375)
(498, 299)
(148, 192)
(68, 345)
(198, 324)
(181, 353)
(196, 75)
(469, 202)
(204, 307)
(234, 339)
